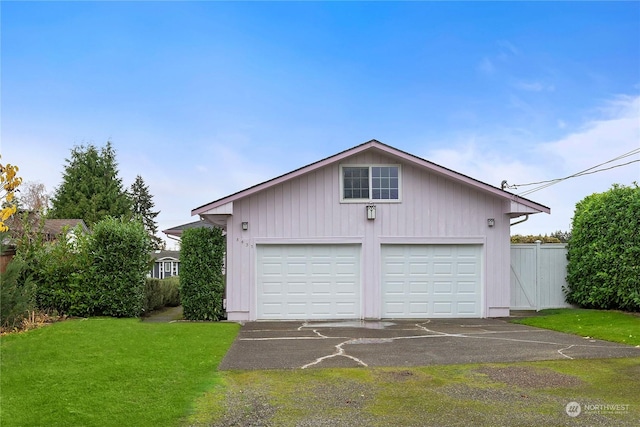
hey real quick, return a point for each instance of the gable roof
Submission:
(55, 227)
(520, 205)
(179, 229)
(162, 255)
(51, 228)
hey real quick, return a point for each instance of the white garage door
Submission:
(420, 281)
(308, 282)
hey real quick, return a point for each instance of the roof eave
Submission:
(451, 174)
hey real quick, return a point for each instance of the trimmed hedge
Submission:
(60, 273)
(201, 280)
(604, 251)
(161, 293)
(120, 253)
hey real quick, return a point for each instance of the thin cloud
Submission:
(601, 138)
(486, 66)
(616, 130)
(508, 48)
(533, 86)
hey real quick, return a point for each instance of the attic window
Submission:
(364, 183)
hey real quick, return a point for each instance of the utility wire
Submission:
(533, 190)
(588, 171)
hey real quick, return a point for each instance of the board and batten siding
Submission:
(307, 209)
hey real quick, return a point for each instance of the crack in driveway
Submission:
(512, 343)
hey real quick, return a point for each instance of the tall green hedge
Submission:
(604, 251)
(60, 273)
(201, 280)
(120, 253)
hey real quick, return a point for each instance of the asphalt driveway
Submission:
(305, 345)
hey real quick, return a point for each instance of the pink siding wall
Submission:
(433, 209)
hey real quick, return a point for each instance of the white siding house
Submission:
(372, 232)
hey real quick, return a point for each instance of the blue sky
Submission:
(203, 99)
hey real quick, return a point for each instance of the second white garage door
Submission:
(421, 281)
(298, 282)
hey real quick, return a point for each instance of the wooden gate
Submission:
(538, 276)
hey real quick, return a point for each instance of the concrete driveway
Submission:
(303, 345)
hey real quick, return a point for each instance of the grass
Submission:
(613, 326)
(113, 372)
(109, 372)
(454, 395)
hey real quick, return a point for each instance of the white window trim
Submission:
(370, 200)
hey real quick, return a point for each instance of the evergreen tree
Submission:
(142, 207)
(91, 189)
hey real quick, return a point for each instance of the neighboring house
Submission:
(54, 228)
(372, 232)
(50, 229)
(166, 264)
(175, 233)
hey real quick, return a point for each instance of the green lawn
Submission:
(613, 326)
(114, 372)
(109, 372)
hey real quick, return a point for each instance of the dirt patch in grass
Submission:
(528, 377)
(247, 408)
(401, 376)
(524, 394)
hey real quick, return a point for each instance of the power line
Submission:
(533, 190)
(588, 171)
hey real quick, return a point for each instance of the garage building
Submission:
(372, 232)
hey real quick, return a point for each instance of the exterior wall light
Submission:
(245, 226)
(491, 222)
(371, 212)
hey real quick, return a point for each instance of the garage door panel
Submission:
(431, 281)
(418, 309)
(467, 308)
(296, 288)
(442, 268)
(440, 288)
(392, 308)
(320, 289)
(419, 288)
(308, 281)
(466, 288)
(442, 309)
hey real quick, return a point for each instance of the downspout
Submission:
(526, 217)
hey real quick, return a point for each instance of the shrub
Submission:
(171, 291)
(161, 293)
(119, 251)
(152, 295)
(61, 270)
(603, 269)
(201, 281)
(518, 238)
(16, 295)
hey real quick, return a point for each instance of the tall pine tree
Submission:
(91, 189)
(142, 207)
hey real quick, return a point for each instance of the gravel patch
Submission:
(247, 408)
(527, 377)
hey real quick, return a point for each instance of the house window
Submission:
(355, 182)
(370, 183)
(384, 183)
